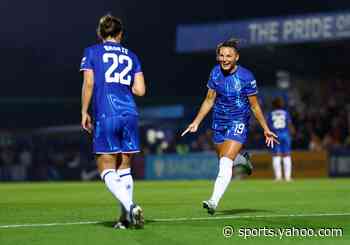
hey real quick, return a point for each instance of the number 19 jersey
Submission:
(114, 70)
(231, 110)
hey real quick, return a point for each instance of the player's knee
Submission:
(126, 160)
(105, 161)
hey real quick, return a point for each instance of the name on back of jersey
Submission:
(115, 48)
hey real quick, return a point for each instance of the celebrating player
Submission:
(112, 74)
(280, 122)
(232, 91)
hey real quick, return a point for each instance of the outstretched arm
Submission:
(203, 111)
(86, 95)
(255, 107)
(270, 137)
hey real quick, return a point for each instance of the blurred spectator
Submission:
(20, 169)
(315, 143)
(7, 158)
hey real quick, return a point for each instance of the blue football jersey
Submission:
(232, 92)
(279, 121)
(114, 68)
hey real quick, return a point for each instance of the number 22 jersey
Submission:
(114, 70)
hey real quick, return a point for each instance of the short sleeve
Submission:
(86, 61)
(251, 88)
(211, 83)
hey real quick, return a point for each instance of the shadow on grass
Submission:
(110, 224)
(237, 211)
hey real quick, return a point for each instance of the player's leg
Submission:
(130, 145)
(124, 171)
(277, 168)
(287, 161)
(229, 142)
(227, 152)
(107, 147)
(276, 160)
(242, 165)
(106, 165)
(122, 221)
(287, 167)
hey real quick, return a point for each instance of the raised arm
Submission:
(86, 94)
(203, 111)
(270, 137)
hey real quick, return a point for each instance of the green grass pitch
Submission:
(246, 204)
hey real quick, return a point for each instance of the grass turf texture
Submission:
(42, 203)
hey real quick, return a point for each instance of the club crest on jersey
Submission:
(237, 85)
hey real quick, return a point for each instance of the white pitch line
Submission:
(182, 219)
(50, 224)
(250, 216)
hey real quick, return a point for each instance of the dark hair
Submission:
(232, 43)
(277, 103)
(109, 26)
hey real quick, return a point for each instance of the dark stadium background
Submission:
(42, 43)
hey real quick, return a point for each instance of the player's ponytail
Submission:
(109, 26)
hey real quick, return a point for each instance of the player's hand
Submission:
(86, 122)
(193, 127)
(270, 138)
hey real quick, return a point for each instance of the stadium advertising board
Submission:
(205, 165)
(306, 164)
(275, 30)
(339, 164)
(174, 166)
